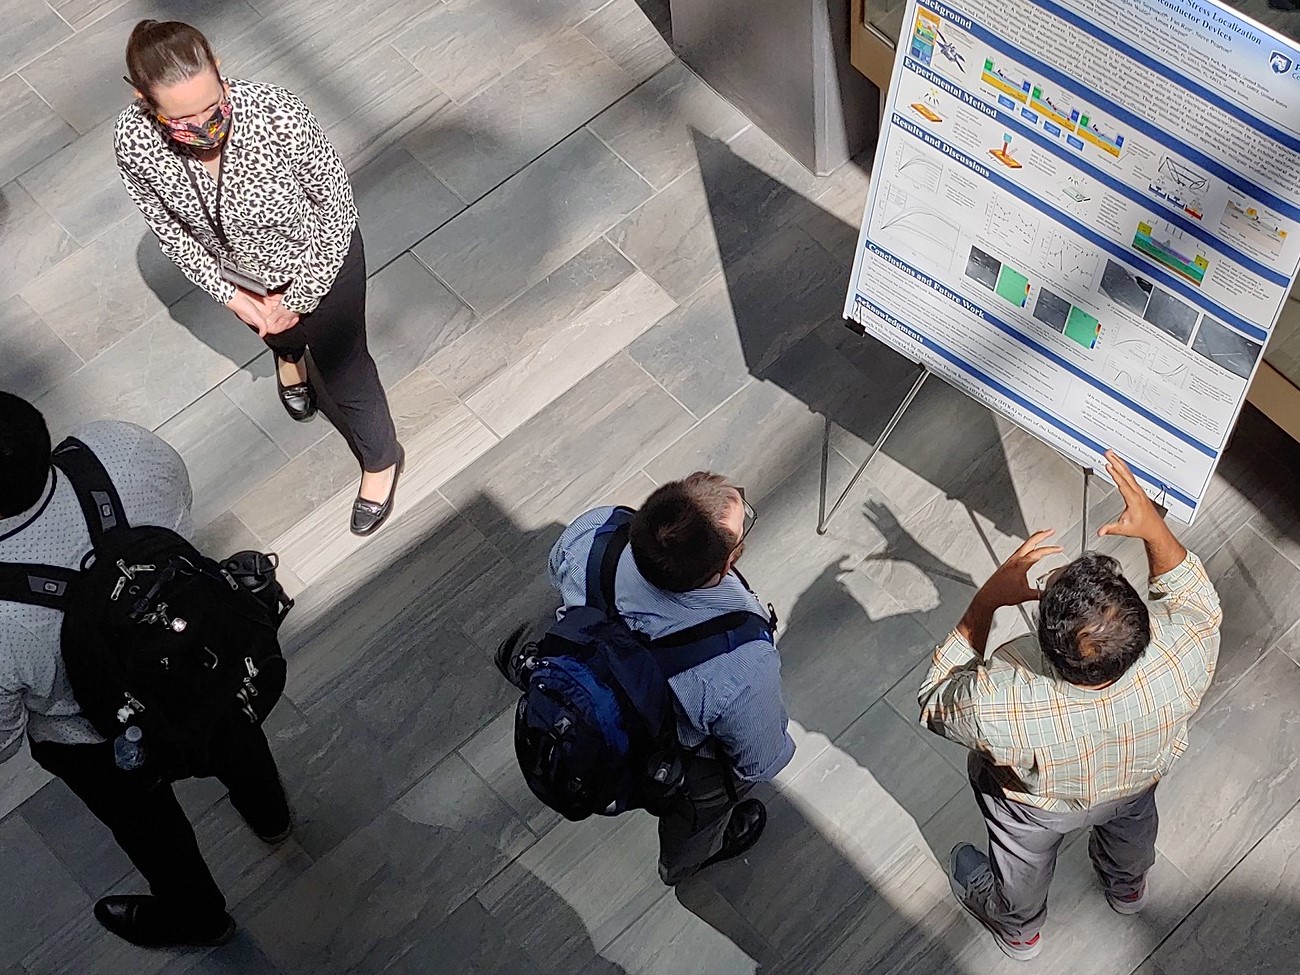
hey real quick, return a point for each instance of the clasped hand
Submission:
(267, 315)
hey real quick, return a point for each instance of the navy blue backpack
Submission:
(596, 728)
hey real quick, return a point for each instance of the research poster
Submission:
(1086, 215)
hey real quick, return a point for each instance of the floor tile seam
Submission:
(604, 6)
(61, 17)
(917, 727)
(1213, 887)
(596, 949)
(53, 332)
(1221, 691)
(77, 29)
(860, 560)
(577, 315)
(1205, 557)
(1294, 628)
(536, 836)
(654, 190)
(1251, 523)
(695, 420)
(487, 426)
(581, 311)
(450, 290)
(846, 266)
(167, 306)
(605, 236)
(81, 244)
(582, 126)
(455, 749)
(221, 388)
(550, 34)
(18, 69)
(68, 865)
(905, 521)
(857, 559)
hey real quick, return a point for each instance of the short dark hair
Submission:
(24, 455)
(164, 53)
(677, 537)
(1092, 624)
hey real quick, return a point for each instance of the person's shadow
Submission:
(379, 629)
(844, 879)
(785, 262)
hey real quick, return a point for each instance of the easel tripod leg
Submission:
(1083, 521)
(824, 517)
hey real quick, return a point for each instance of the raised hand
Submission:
(1142, 519)
(1009, 585)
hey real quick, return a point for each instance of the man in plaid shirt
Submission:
(1076, 728)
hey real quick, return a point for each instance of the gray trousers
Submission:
(692, 829)
(1024, 841)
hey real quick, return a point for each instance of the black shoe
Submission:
(367, 516)
(276, 834)
(275, 839)
(142, 921)
(743, 830)
(299, 400)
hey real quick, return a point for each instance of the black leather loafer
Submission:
(368, 516)
(299, 400)
(142, 921)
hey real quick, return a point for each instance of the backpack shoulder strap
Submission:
(607, 548)
(99, 500)
(680, 651)
(35, 585)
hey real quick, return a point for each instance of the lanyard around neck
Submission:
(213, 215)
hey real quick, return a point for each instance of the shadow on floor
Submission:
(390, 669)
(774, 311)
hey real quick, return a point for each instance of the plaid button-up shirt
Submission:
(1062, 748)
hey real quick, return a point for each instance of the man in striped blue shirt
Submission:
(678, 571)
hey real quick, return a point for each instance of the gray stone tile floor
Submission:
(589, 274)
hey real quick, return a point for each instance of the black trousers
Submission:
(335, 333)
(149, 824)
(692, 829)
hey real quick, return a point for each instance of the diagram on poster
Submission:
(1078, 235)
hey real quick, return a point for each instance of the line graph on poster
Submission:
(1070, 260)
(918, 167)
(913, 223)
(1013, 226)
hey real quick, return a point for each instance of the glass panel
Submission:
(886, 16)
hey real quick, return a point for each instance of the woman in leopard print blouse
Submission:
(252, 203)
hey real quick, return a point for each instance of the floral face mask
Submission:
(206, 135)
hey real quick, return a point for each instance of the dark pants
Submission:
(692, 829)
(149, 824)
(1024, 841)
(335, 333)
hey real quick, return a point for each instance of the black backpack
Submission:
(596, 728)
(156, 635)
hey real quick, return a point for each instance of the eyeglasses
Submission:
(751, 515)
(206, 117)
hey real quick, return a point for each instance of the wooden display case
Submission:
(874, 38)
